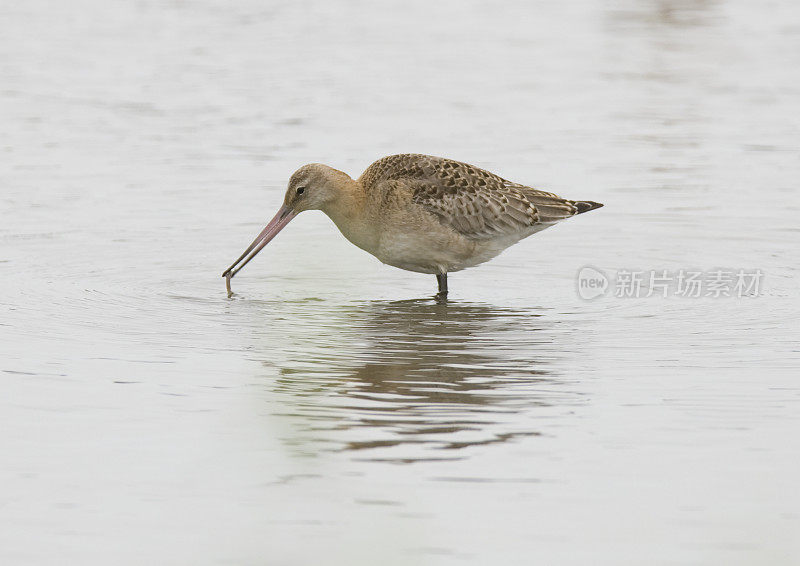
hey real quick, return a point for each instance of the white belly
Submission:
(437, 252)
(427, 248)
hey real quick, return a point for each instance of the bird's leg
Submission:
(442, 280)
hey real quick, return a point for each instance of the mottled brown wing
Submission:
(474, 202)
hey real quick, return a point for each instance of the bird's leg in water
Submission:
(442, 280)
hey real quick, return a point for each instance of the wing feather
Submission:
(474, 202)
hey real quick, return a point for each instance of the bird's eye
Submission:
(301, 190)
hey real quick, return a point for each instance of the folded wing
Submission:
(473, 202)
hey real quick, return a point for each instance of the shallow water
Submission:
(331, 411)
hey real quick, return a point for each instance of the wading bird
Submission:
(420, 213)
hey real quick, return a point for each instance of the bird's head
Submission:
(312, 187)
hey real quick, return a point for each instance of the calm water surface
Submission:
(331, 412)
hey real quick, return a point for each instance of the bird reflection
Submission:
(421, 375)
(653, 14)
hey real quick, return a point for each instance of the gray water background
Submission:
(331, 412)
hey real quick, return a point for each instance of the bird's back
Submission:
(474, 202)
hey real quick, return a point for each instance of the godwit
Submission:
(420, 213)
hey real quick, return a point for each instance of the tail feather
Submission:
(586, 205)
(551, 208)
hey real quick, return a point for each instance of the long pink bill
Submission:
(284, 216)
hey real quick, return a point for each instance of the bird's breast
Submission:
(412, 240)
(360, 232)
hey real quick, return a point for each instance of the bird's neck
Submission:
(348, 205)
(348, 213)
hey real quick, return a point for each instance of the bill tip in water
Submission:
(228, 284)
